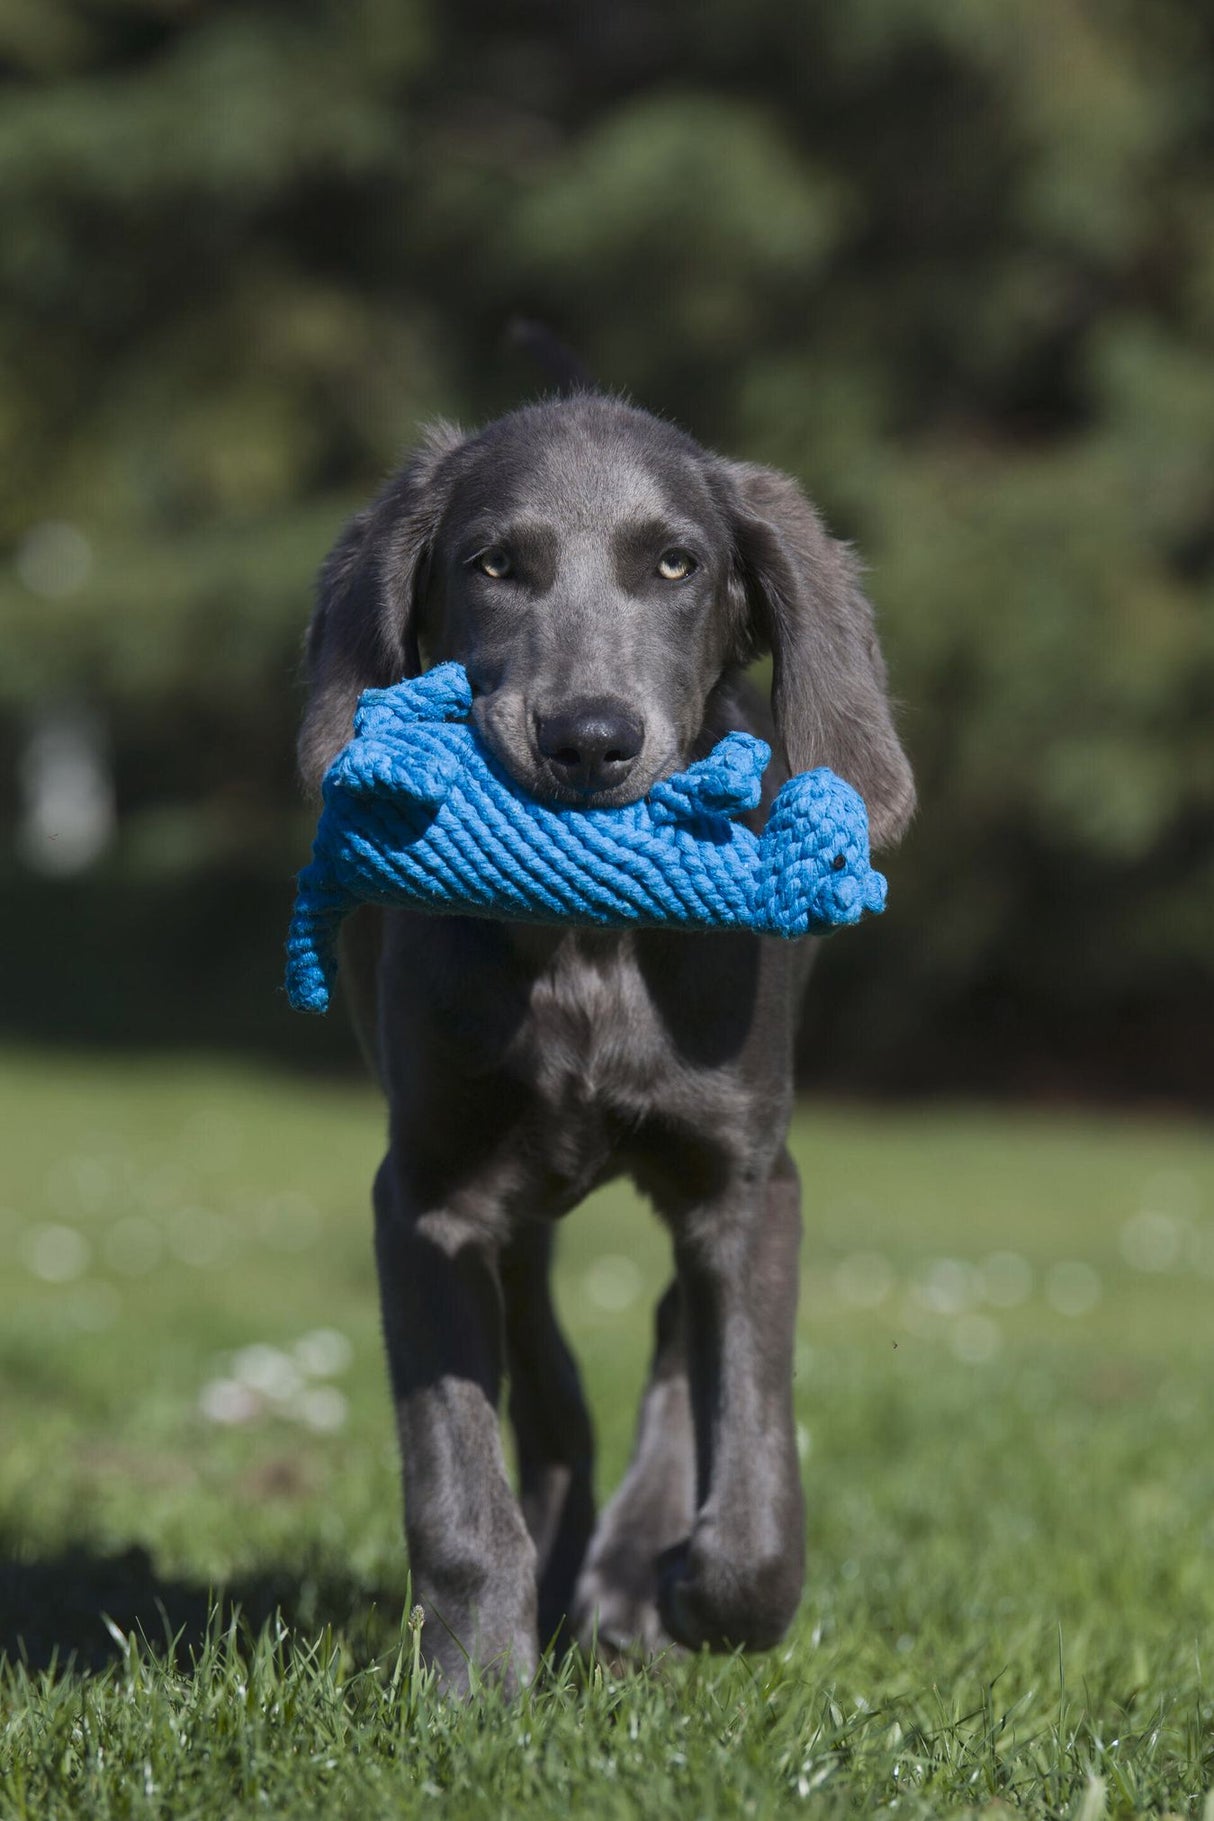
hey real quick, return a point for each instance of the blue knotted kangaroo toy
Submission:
(417, 813)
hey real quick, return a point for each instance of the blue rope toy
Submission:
(417, 813)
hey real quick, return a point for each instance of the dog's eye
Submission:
(676, 565)
(494, 563)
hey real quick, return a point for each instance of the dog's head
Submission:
(599, 575)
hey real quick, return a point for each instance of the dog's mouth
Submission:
(549, 786)
(564, 777)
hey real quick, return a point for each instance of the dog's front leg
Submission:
(552, 1428)
(737, 1580)
(617, 1595)
(470, 1554)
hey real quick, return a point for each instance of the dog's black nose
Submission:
(593, 745)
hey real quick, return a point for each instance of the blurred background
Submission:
(952, 265)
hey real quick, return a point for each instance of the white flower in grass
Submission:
(267, 1370)
(1151, 1240)
(1072, 1287)
(612, 1283)
(321, 1407)
(55, 1253)
(946, 1287)
(323, 1353)
(1176, 1192)
(226, 1400)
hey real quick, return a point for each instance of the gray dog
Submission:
(604, 580)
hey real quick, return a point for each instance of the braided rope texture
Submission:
(417, 813)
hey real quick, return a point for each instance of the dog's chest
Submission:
(574, 1055)
(593, 1038)
(644, 1057)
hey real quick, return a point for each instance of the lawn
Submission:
(1007, 1420)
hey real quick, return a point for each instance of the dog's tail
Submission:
(557, 362)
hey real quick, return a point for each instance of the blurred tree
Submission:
(953, 265)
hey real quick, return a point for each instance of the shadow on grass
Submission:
(54, 1612)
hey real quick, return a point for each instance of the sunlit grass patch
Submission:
(1005, 1409)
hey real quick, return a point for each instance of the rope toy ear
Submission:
(726, 783)
(420, 769)
(419, 815)
(442, 694)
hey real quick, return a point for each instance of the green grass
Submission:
(1011, 1502)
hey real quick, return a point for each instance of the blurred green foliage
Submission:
(952, 264)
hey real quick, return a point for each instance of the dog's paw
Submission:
(711, 1597)
(615, 1614)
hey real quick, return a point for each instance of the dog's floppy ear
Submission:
(363, 633)
(806, 606)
